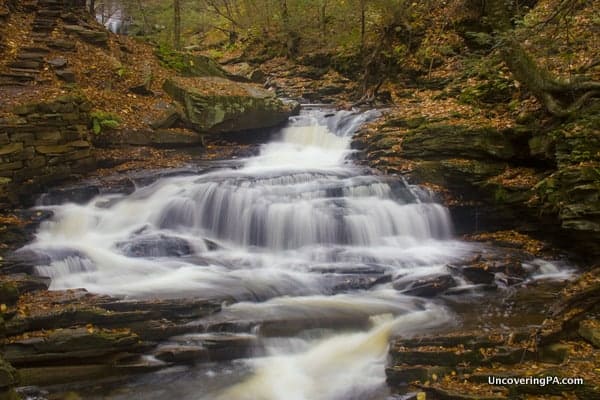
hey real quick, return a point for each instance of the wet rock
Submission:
(24, 261)
(52, 375)
(33, 393)
(340, 283)
(170, 309)
(175, 353)
(372, 269)
(575, 302)
(20, 284)
(71, 194)
(426, 287)
(478, 274)
(215, 105)
(156, 246)
(435, 359)
(224, 346)
(64, 346)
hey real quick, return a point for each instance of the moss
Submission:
(491, 91)
(9, 294)
(500, 195)
(102, 120)
(189, 64)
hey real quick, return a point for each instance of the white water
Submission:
(280, 236)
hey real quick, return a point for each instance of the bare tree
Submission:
(177, 24)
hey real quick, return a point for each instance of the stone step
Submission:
(29, 5)
(31, 56)
(31, 71)
(49, 13)
(39, 37)
(35, 49)
(10, 82)
(62, 44)
(39, 19)
(25, 64)
(37, 28)
(43, 24)
(50, 4)
(17, 77)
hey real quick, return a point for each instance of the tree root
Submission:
(550, 91)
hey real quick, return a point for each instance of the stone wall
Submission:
(42, 144)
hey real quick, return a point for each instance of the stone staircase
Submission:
(27, 66)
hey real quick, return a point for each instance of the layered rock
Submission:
(215, 105)
(458, 365)
(49, 332)
(43, 143)
(522, 176)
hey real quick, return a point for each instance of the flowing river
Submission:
(298, 242)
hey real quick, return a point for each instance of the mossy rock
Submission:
(9, 293)
(215, 105)
(8, 375)
(438, 141)
(456, 173)
(188, 64)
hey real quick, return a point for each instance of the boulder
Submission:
(425, 287)
(156, 246)
(215, 105)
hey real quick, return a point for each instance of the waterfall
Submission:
(298, 203)
(284, 235)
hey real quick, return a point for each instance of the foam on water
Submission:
(263, 234)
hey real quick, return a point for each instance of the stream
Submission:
(307, 249)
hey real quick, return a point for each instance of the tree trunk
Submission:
(362, 24)
(93, 8)
(560, 97)
(177, 24)
(323, 18)
(291, 37)
(146, 25)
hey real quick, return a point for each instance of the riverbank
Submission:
(520, 185)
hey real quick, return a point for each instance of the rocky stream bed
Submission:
(504, 292)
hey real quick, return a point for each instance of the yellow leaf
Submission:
(3, 307)
(421, 396)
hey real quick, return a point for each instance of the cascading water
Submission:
(282, 239)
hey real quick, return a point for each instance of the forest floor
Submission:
(455, 93)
